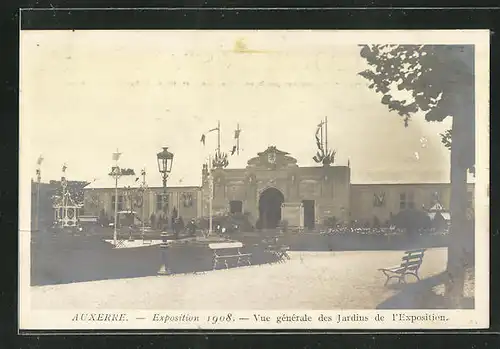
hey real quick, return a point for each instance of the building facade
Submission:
(386, 200)
(271, 179)
(184, 201)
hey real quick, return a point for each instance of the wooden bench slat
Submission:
(225, 250)
(225, 245)
(415, 251)
(410, 256)
(410, 264)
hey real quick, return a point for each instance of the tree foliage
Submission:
(437, 80)
(75, 189)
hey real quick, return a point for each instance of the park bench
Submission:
(224, 251)
(279, 251)
(410, 264)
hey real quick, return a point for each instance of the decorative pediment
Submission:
(187, 199)
(272, 158)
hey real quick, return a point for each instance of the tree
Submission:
(438, 81)
(75, 189)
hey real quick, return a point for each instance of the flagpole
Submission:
(38, 201)
(218, 136)
(116, 199)
(143, 192)
(322, 144)
(65, 199)
(326, 133)
(211, 187)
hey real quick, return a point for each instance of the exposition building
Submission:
(271, 180)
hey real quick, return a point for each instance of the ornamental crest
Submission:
(379, 200)
(187, 199)
(271, 157)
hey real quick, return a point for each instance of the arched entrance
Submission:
(270, 207)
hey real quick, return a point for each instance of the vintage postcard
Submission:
(254, 180)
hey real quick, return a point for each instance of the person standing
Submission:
(152, 220)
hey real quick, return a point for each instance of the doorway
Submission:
(235, 206)
(308, 213)
(270, 208)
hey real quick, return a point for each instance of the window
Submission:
(406, 201)
(235, 206)
(411, 200)
(120, 203)
(402, 201)
(159, 202)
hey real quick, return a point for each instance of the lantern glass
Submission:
(165, 159)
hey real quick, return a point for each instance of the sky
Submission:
(84, 94)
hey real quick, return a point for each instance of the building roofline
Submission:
(155, 187)
(405, 183)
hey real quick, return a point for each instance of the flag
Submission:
(116, 156)
(202, 140)
(237, 134)
(320, 126)
(233, 150)
(64, 168)
(39, 161)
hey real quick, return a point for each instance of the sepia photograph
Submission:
(254, 179)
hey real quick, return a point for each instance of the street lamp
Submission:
(116, 173)
(165, 159)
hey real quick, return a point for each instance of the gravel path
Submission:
(310, 280)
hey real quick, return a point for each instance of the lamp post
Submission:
(143, 190)
(116, 173)
(165, 159)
